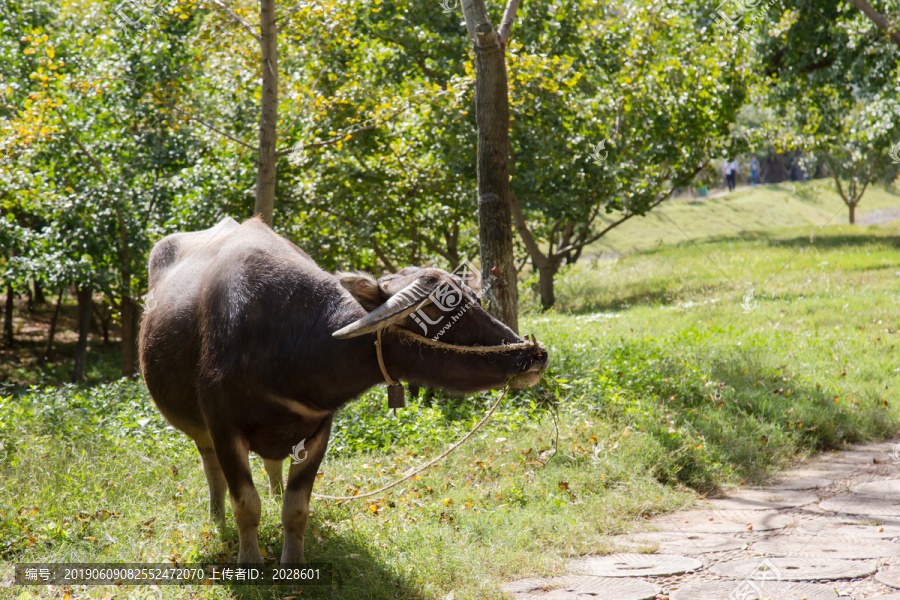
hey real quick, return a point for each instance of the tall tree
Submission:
(384, 136)
(889, 29)
(833, 73)
(855, 138)
(267, 152)
(612, 111)
(100, 167)
(268, 114)
(494, 196)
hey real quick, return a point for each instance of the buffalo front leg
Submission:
(295, 510)
(233, 455)
(274, 472)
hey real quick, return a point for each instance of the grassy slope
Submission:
(796, 205)
(664, 386)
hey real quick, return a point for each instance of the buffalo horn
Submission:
(395, 309)
(536, 346)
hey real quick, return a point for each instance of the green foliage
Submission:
(613, 110)
(833, 79)
(94, 187)
(645, 80)
(110, 413)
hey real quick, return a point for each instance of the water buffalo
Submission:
(247, 345)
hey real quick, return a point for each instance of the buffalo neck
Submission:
(338, 370)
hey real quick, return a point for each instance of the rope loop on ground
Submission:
(426, 465)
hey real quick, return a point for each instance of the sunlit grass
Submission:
(804, 206)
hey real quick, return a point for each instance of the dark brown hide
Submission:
(237, 351)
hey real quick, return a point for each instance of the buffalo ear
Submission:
(363, 288)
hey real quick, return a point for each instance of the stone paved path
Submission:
(829, 529)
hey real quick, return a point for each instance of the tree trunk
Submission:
(85, 301)
(879, 20)
(100, 323)
(494, 211)
(545, 278)
(572, 257)
(39, 297)
(135, 332)
(852, 213)
(127, 312)
(8, 317)
(52, 333)
(126, 303)
(268, 119)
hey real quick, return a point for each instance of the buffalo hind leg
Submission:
(274, 471)
(295, 510)
(234, 456)
(215, 479)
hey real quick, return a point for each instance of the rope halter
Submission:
(395, 390)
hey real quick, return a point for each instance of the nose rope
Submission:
(412, 336)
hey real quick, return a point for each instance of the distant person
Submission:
(731, 170)
(754, 171)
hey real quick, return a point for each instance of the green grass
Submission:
(801, 205)
(661, 388)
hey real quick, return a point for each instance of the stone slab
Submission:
(840, 468)
(853, 457)
(634, 565)
(801, 483)
(889, 576)
(722, 521)
(577, 587)
(755, 590)
(884, 488)
(886, 529)
(862, 505)
(756, 499)
(821, 546)
(795, 569)
(681, 543)
(824, 473)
